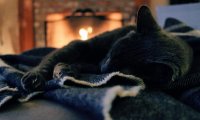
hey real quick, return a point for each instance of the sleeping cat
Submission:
(146, 51)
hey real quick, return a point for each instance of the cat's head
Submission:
(149, 52)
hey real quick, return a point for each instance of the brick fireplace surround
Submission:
(42, 8)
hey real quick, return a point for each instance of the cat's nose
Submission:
(105, 66)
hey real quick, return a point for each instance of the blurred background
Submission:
(27, 24)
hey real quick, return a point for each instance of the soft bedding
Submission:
(189, 96)
(107, 101)
(100, 94)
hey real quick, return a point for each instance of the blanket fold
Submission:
(93, 93)
(97, 93)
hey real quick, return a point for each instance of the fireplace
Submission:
(82, 24)
(54, 15)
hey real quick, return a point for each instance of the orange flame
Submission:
(84, 33)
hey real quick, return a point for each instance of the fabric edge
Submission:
(104, 81)
(118, 91)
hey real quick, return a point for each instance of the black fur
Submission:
(149, 53)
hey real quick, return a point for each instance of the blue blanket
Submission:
(99, 95)
(189, 95)
(105, 96)
(89, 92)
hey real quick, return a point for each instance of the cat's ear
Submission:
(145, 21)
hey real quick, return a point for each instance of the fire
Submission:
(84, 33)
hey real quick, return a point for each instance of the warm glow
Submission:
(89, 29)
(84, 33)
(62, 31)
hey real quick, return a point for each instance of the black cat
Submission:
(149, 53)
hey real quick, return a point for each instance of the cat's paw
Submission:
(62, 69)
(33, 81)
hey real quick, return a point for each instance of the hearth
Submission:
(81, 24)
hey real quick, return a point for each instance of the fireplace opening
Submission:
(62, 28)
